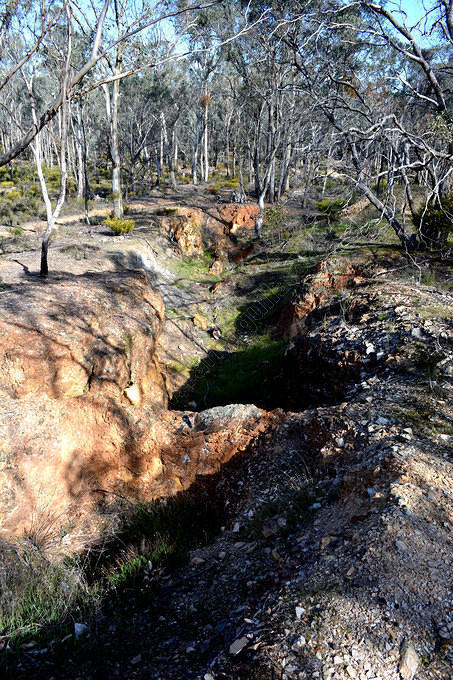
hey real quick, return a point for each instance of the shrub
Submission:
(434, 222)
(119, 226)
(330, 207)
(274, 215)
(13, 195)
(6, 185)
(231, 183)
(5, 173)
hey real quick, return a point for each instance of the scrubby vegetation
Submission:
(119, 226)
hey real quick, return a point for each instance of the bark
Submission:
(196, 145)
(205, 142)
(168, 151)
(112, 107)
(52, 214)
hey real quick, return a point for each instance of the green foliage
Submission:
(195, 268)
(12, 196)
(17, 231)
(161, 533)
(167, 212)
(428, 278)
(6, 184)
(330, 207)
(233, 378)
(274, 216)
(5, 174)
(52, 177)
(35, 593)
(119, 226)
(231, 183)
(435, 222)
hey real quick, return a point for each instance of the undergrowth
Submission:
(41, 597)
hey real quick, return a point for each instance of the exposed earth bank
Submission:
(333, 551)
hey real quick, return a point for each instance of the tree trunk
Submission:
(196, 146)
(112, 107)
(168, 151)
(205, 141)
(52, 215)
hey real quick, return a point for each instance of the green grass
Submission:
(39, 599)
(36, 593)
(245, 375)
(194, 268)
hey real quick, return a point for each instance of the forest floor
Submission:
(332, 553)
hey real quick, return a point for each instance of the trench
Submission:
(292, 376)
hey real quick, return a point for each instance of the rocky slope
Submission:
(333, 553)
(82, 413)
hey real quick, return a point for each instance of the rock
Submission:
(80, 629)
(196, 561)
(137, 659)
(401, 546)
(79, 450)
(185, 231)
(215, 333)
(216, 268)
(238, 217)
(238, 645)
(58, 355)
(409, 661)
(223, 416)
(351, 671)
(133, 394)
(299, 612)
(269, 528)
(329, 278)
(324, 542)
(199, 321)
(417, 333)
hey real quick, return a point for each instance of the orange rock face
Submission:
(67, 463)
(329, 279)
(238, 216)
(81, 334)
(83, 425)
(185, 230)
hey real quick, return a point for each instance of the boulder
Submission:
(237, 216)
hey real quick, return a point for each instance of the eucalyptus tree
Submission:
(364, 69)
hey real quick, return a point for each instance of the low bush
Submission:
(12, 196)
(119, 226)
(434, 221)
(231, 183)
(330, 207)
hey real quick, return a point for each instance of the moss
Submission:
(423, 420)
